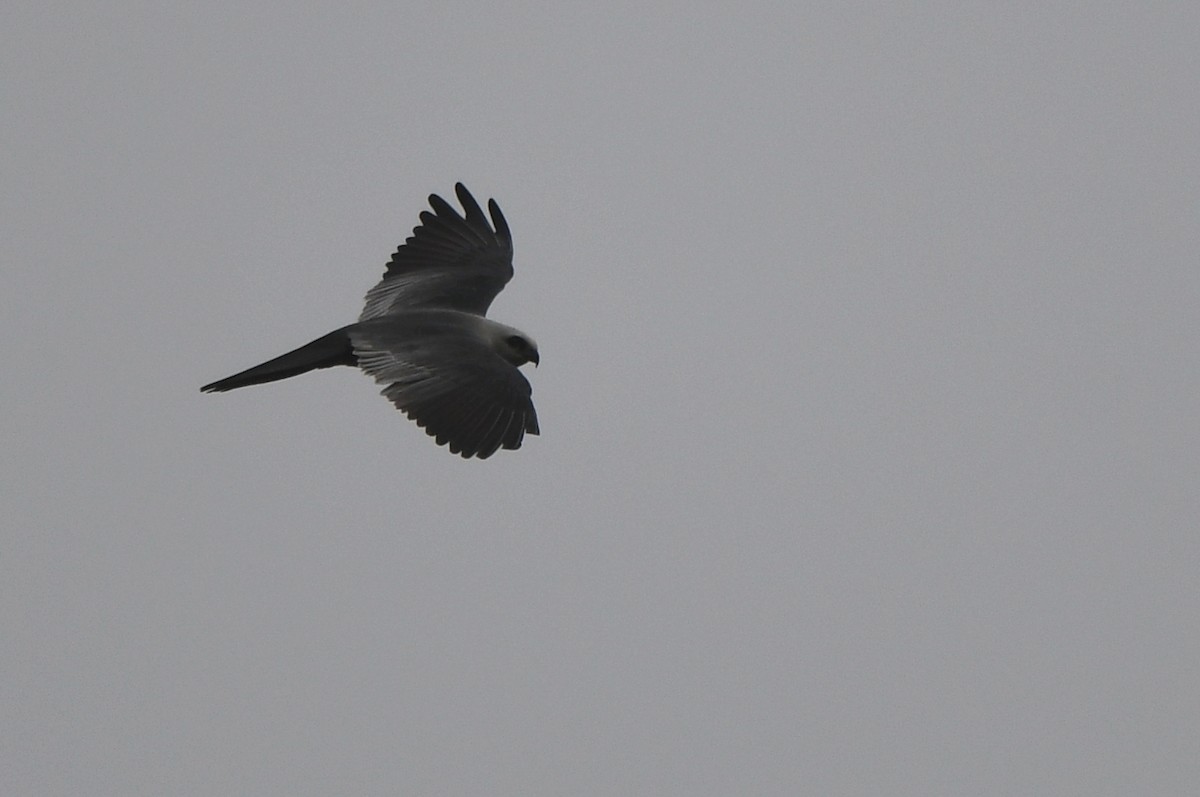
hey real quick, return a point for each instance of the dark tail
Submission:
(324, 352)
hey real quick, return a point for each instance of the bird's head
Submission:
(518, 348)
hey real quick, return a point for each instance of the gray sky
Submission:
(868, 395)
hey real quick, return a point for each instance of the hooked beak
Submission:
(533, 358)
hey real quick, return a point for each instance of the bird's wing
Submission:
(461, 392)
(449, 261)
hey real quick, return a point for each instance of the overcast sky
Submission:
(868, 396)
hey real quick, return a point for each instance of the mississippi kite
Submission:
(424, 337)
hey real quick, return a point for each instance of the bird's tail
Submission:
(324, 352)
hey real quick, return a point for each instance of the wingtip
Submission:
(500, 223)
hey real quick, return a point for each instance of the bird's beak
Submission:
(533, 358)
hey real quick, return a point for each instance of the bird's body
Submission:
(423, 335)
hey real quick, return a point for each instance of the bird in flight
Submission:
(424, 336)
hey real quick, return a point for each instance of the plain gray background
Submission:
(869, 374)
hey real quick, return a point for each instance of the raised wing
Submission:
(449, 261)
(462, 393)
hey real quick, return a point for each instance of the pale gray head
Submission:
(518, 348)
(509, 342)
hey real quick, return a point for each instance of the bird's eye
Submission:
(517, 342)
